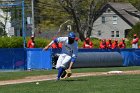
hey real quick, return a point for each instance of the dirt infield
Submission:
(53, 77)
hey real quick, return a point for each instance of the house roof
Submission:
(125, 10)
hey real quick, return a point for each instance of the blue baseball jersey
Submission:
(69, 49)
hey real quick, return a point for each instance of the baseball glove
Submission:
(68, 73)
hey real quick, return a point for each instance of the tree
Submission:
(135, 30)
(49, 14)
(84, 13)
(5, 17)
(3, 22)
(136, 3)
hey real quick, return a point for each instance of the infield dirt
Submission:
(53, 77)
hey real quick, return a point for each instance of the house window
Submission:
(109, 10)
(99, 33)
(114, 20)
(103, 19)
(112, 33)
(117, 33)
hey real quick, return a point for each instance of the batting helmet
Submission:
(71, 35)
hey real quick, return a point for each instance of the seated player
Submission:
(109, 44)
(88, 43)
(103, 44)
(115, 44)
(122, 44)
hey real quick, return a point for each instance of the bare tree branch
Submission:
(83, 24)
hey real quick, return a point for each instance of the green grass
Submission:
(96, 84)
(22, 74)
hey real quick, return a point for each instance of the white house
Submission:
(5, 19)
(115, 21)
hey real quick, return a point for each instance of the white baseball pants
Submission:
(63, 61)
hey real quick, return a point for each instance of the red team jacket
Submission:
(135, 41)
(122, 45)
(109, 45)
(103, 45)
(88, 45)
(31, 44)
(115, 45)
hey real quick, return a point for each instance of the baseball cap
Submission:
(135, 34)
(32, 35)
(87, 39)
(123, 39)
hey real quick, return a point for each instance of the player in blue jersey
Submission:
(69, 53)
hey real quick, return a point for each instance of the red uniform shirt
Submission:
(115, 45)
(135, 41)
(122, 45)
(109, 45)
(88, 45)
(103, 45)
(31, 44)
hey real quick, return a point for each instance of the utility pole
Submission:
(23, 25)
(33, 25)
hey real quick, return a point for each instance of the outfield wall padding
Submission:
(98, 59)
(12, 58)
(38, 59)
(24, 58)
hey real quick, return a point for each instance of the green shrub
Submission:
(134, 30)
(11, 42)
(41, 42)
(17, 42)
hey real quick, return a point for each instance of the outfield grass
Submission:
(22, 74)
(96, 84)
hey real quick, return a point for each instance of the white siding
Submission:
(2, 19)
(108, 26)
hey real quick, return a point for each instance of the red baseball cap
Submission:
(135, 34)
(87, 39)
(123, 39)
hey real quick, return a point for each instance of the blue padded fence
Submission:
(20, 58)
(131, 57)
(11, 58)
(38, 59)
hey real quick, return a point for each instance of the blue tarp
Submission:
(131, 57)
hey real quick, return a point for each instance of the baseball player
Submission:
(69, 53)
(122, 44)
(135, 41)
(88, 43)
(31, 42)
